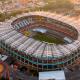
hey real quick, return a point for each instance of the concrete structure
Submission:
(52, 75)
(36, 55)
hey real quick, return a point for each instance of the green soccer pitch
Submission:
(46, 38)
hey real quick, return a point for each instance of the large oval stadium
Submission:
(41, 40)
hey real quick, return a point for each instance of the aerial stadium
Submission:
(41, 41)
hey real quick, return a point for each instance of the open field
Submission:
(64, 7)
(46, 38)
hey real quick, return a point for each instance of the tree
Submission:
(2, 78)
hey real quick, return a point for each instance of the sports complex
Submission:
(41, 41)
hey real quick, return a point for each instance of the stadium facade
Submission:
(37, 55)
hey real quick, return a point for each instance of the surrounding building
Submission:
(52, 75)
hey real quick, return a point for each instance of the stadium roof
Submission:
(36, 48)
(40, 30)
